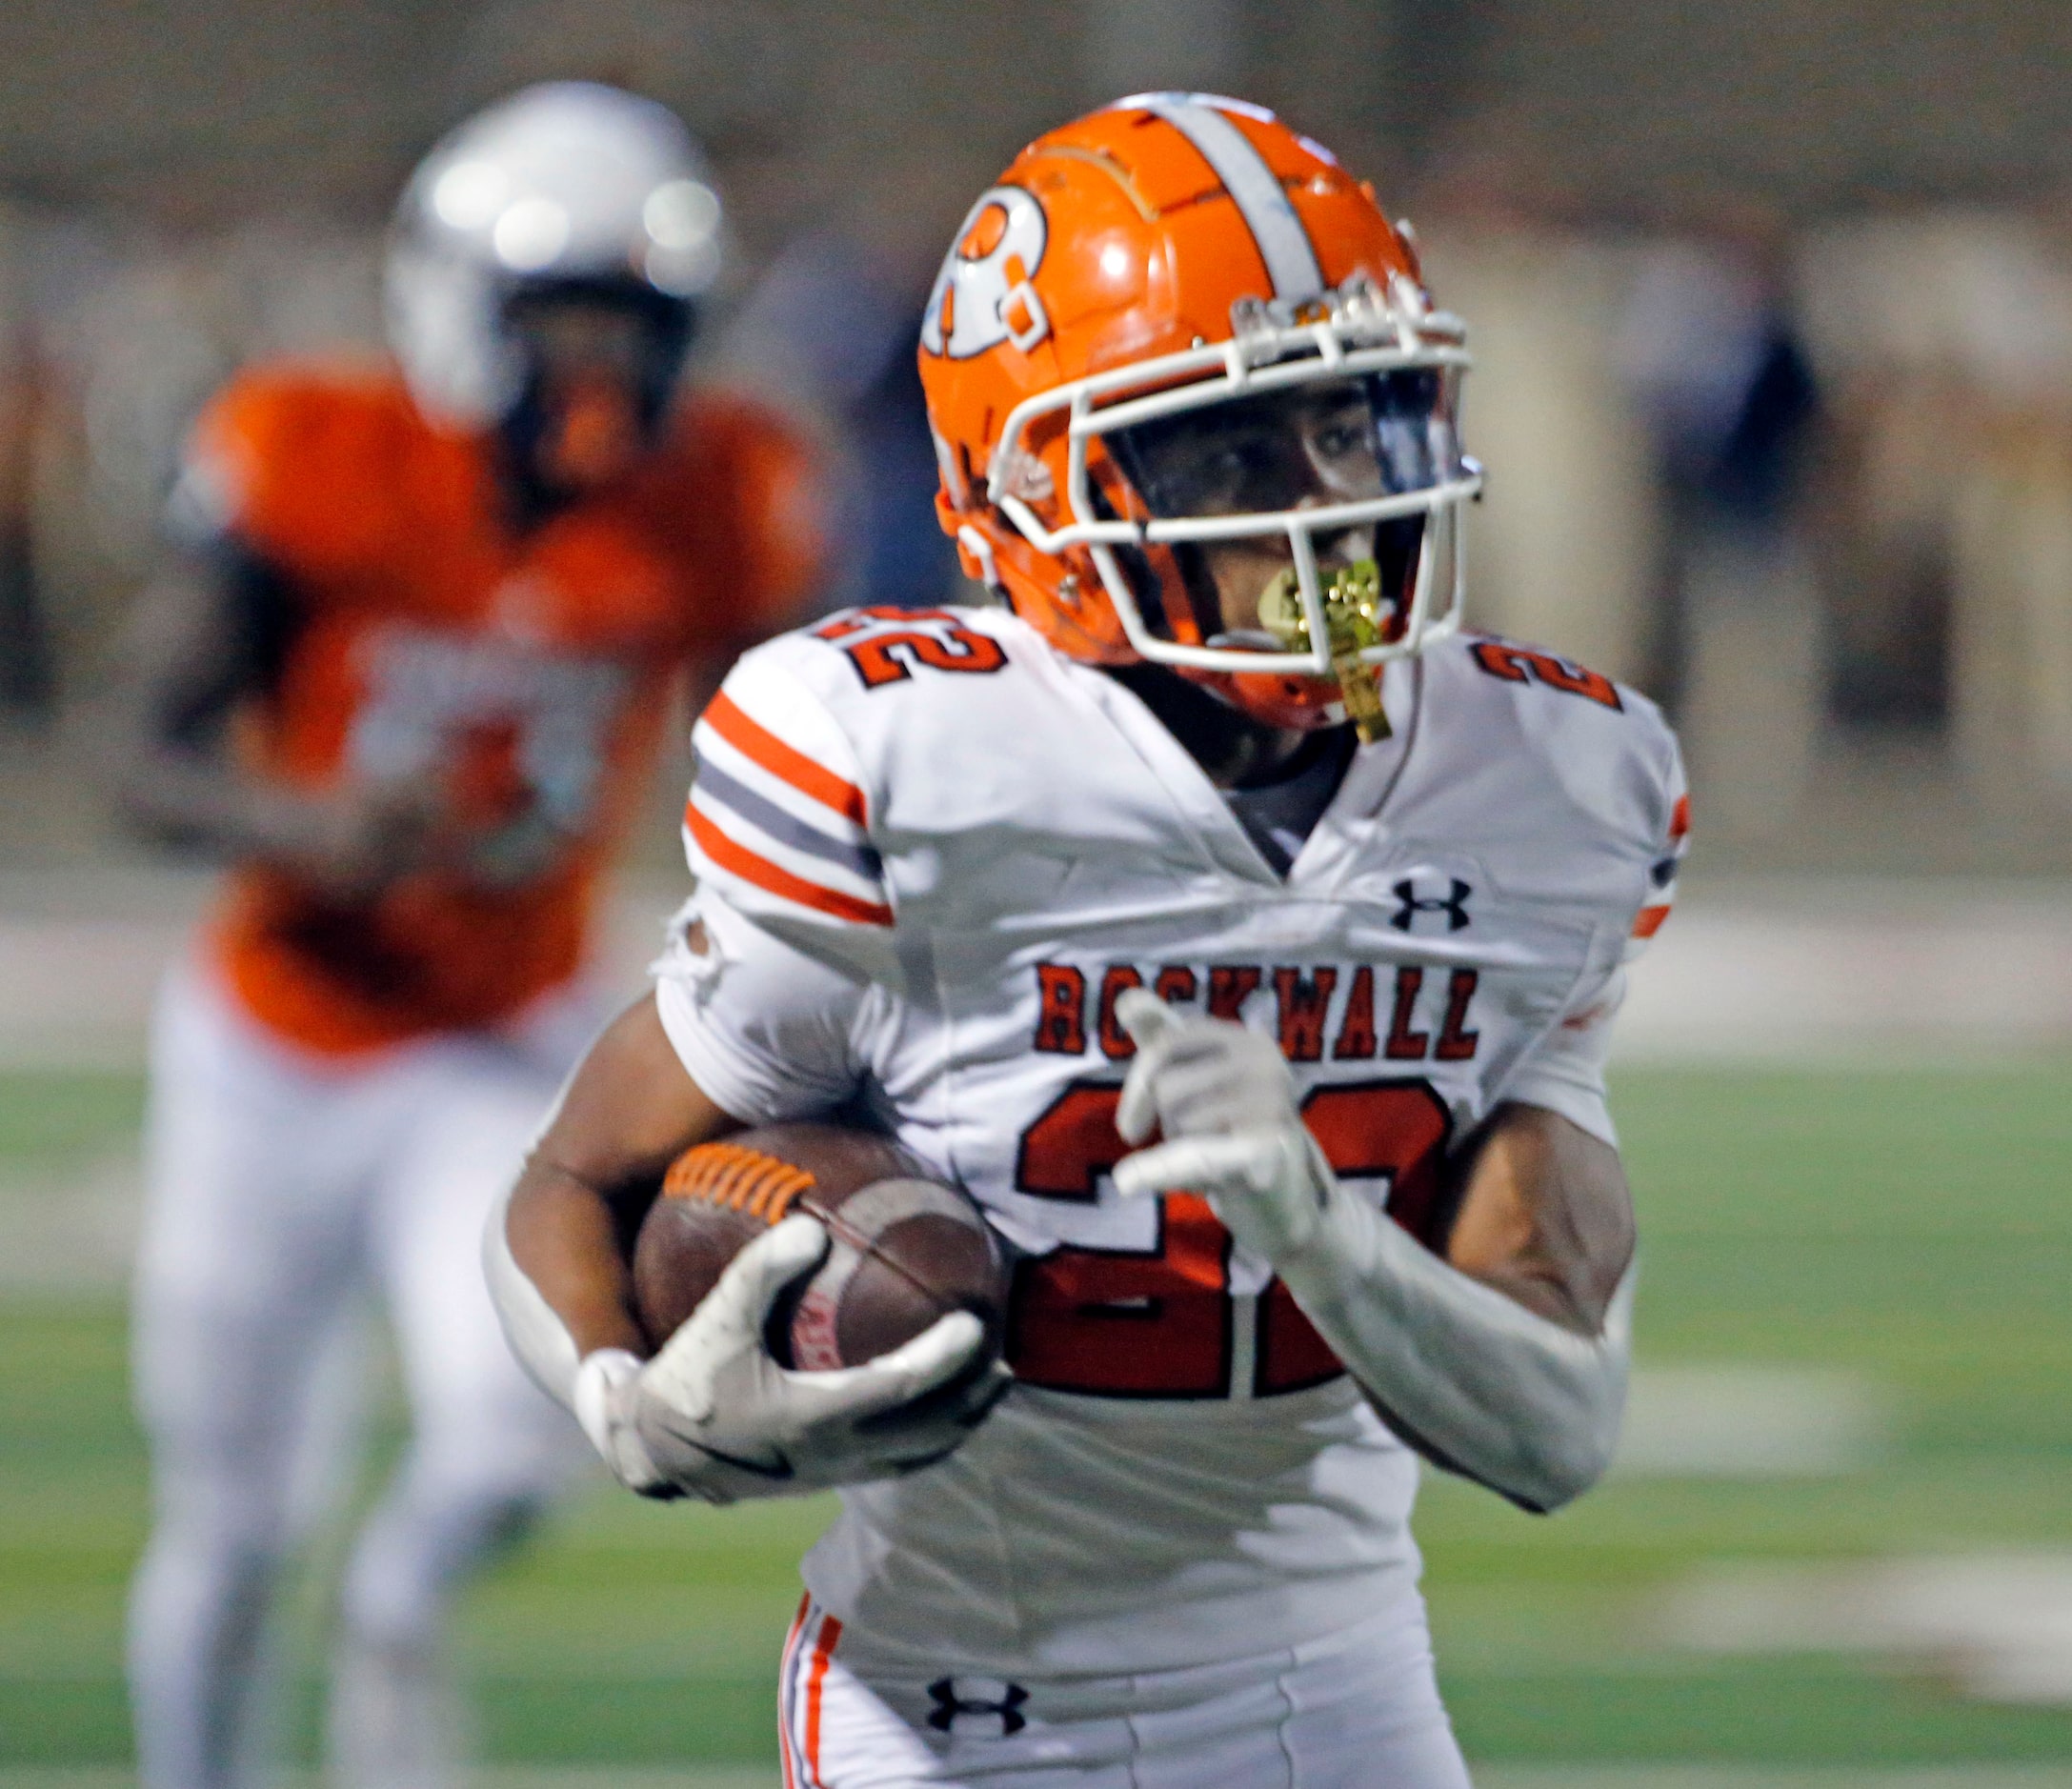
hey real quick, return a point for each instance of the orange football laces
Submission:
(741, 1179)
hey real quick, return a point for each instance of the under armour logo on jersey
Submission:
(1454, 904)
(958, 1699)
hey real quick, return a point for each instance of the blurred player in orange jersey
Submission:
(430, 624)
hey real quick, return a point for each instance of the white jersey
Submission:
(931, 852)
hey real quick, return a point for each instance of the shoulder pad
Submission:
(874, 728)
(778, 815)
(750, 489)
(1540, 747)
(299, 462)
(884, 647)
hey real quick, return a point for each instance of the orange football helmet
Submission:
(1176, 323)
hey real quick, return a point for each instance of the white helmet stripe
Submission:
(1284, 245)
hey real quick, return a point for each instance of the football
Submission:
(905, 1248)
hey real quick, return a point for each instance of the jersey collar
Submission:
(1353, 817)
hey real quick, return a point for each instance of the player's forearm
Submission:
(1484, 1385)
(161, 737)
(1478, 1379)
(195, 798)
(565, 1241)
(560, 1284)
(553, 1255)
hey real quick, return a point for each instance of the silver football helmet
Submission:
(568, 184)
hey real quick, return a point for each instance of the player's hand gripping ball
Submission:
(825, 1312)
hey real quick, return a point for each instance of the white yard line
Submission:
(1856, 969)
(1997, 1625)
(1758, 971)
(81, 957)
(1737, 1420)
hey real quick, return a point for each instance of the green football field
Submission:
(1910, 1230)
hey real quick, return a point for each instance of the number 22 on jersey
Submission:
(1163, 1322)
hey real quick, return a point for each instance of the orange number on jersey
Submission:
(1515, 664)
(929, 636)
(1128, 1325)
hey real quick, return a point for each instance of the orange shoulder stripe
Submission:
(1648, 922)
(776, 878)
(1680, 821)
(780, 760)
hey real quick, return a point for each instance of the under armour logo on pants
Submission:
(957, 1698)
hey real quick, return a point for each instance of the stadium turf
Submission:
(1910, 1226)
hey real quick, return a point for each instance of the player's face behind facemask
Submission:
(599, 362)
(1274, 466)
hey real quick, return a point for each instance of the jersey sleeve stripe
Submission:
(1648, 922)
(1679, 821)
(839, 877)
(773, 879)
(725, 717)
(721, 790)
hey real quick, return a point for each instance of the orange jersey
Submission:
(526, 676)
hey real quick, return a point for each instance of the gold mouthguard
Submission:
(1354, 617)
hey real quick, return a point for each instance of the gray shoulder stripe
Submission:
(1284, 245)
(858, 859)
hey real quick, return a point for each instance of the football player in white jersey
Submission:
(1242, 935)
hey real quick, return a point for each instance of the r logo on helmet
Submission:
(982, 296)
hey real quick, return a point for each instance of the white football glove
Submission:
(1226, 1103)
(1482, 1383)
(713, 1416)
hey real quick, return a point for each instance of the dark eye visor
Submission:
(1330, 441)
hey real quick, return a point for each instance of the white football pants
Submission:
(1356, 1710)
(279, 1185)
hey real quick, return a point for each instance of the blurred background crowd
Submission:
(1774, 316)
